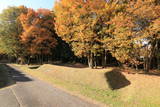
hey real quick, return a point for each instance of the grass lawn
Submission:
(108, 86)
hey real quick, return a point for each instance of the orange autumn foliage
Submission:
(38, 35)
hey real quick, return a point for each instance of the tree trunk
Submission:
(150, 55)
(136, 67)
(95, 61)
(90, 60)
(89, 64)
(147, 65)
(41, 59)
(48, 59)
(37, 59)
(158, 62)
(28, 62)
(104, 58)
(158, 54)
(22, 60)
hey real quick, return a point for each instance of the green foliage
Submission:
(10, 30)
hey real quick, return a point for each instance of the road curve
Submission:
(32, 92)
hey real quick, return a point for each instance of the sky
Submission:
(35, 4)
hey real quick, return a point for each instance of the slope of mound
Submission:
(84, 76)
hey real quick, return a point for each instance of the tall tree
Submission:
(10, 30)
(81, 24)
(38, 34)
(134, 35)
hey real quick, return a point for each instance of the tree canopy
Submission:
(10, 30)
(38, 34)
(102, 32)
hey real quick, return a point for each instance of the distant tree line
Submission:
(94, 32)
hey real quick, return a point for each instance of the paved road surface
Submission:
(31, 92)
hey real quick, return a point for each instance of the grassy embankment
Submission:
(104, 85)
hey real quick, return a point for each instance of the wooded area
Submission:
(93, 32)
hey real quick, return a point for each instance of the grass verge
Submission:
(142, 92)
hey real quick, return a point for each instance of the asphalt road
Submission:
(31, 92)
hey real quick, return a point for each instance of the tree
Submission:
(38, 34)
(133, 35)
(83, 26)
(10, 30)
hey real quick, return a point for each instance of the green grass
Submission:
(144, 91)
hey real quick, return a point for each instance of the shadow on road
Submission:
(11, 76)
(116, 79)
(17, 75)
